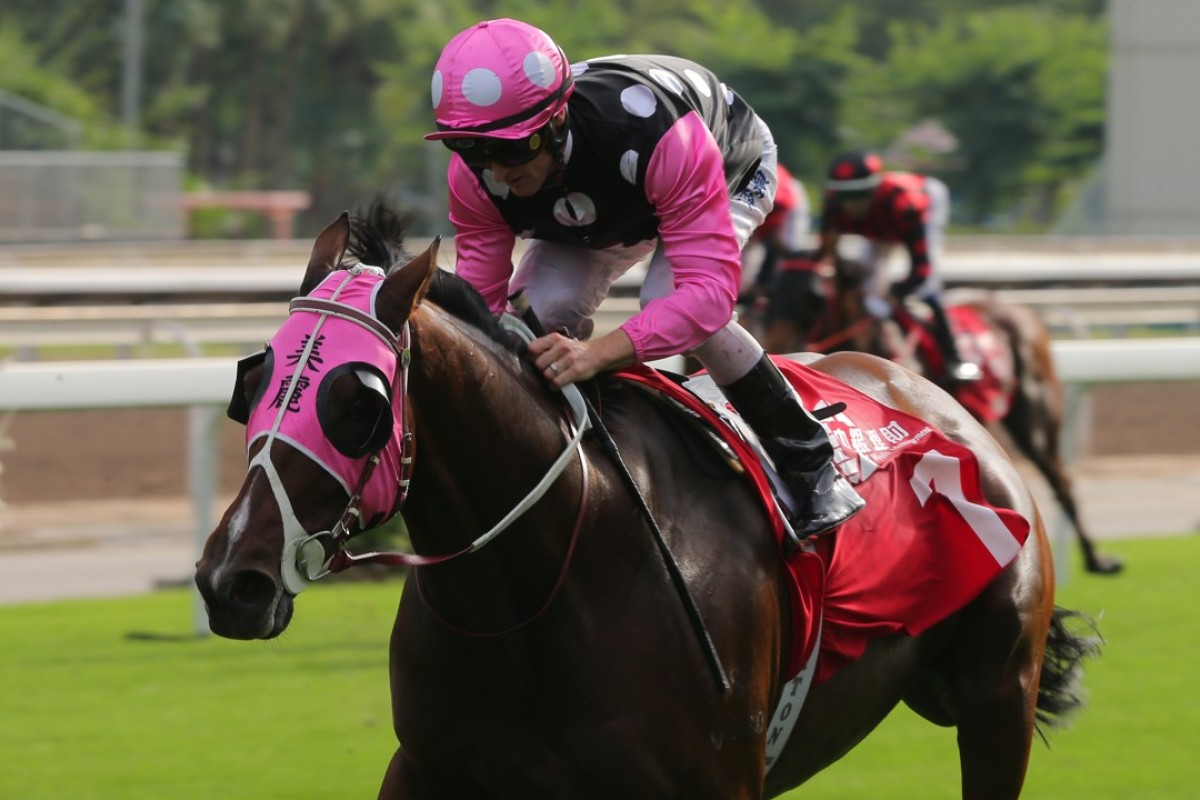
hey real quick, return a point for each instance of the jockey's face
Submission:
(525, 179)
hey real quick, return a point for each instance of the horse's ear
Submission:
(406, 285)
(327, 252)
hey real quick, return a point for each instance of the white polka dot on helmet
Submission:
(500, 78)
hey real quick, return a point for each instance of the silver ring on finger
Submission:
(554, 368)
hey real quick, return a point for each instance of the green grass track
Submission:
(110, 699)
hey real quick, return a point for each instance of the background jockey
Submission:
(783, 233)
(890, 209)
(601, 164)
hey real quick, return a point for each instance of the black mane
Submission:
(459, 298)
(377, 238)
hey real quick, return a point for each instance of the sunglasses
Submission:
(479, 152)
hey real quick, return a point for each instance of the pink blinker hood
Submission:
(310, 345)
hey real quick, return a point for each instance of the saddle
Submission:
(926, 523)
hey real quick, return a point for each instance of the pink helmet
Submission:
(501, 79)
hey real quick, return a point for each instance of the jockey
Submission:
(890, 208)
(599, 164)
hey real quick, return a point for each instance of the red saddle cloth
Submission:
(989, 398)
(926, 544)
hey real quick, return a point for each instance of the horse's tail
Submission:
(1060, 693)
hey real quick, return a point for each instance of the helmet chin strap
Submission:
(559, 134)
(559, 146)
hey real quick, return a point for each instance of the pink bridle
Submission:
(337, 326)
(334, 325)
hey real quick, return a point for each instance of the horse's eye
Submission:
(365, 407)
(354, 409)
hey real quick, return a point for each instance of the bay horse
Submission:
(556, 661)
(1020, 398)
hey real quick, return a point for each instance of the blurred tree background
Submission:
(1003, 100)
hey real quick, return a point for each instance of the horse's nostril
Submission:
(252, 588)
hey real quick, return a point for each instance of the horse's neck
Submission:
(484, 431)
(485, 434)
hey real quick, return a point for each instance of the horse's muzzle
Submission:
(244, 604)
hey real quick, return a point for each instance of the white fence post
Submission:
(202, 480)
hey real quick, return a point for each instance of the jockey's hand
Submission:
(877, 306)
(563, 360)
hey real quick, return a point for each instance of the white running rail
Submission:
(131, 383)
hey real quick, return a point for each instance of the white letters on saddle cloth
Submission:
(851, 445)
(931, 511)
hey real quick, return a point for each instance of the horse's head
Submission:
(326, 427)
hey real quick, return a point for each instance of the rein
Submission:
(839, 337)
(310, 556)
(522, 306)
(554, 590)
(580, 422)
(341, 559)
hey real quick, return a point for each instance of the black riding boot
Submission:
(956, 369)
(798, 445)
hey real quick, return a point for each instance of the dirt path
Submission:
(97, 502)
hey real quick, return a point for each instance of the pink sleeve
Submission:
(685, 182)
(483, 242)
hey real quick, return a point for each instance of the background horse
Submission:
(1020, 399)
(557, 661)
